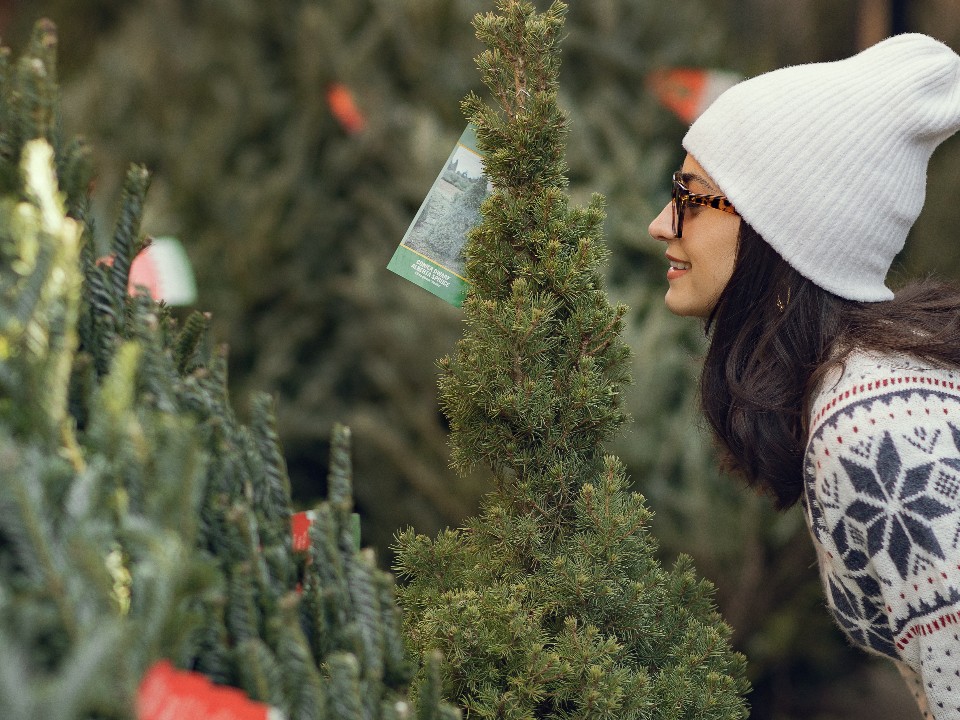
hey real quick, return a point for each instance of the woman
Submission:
(820, 385)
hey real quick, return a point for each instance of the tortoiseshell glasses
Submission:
(682, 197)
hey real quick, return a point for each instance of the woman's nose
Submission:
(661, 228)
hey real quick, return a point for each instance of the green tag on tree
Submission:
(431, 251)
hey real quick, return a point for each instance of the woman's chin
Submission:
(684, 306)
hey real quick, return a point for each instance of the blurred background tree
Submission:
(312, 129)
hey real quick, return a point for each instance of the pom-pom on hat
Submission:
(828, 161)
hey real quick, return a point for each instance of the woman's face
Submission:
(701, 262)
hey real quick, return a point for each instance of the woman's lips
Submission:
(677, 268)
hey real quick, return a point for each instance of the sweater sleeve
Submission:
(882, 500)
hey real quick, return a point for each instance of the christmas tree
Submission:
(551, 603)
(140, 519)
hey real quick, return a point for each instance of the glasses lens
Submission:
(679, 195)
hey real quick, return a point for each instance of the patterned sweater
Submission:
(882, 501)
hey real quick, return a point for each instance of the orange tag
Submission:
(344, 108)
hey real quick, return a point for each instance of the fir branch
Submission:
(9, 143)
(365, 606)
(242, 616)
(344, 700)
(188, 342)
(330, 575)
(126, 237)
(211, 643)
(38, 552)
(104, 316)
(430, 706)
(303, 684)
(36, 81)
(261, 675)
(339, 478)
(272, 491)
(397, 668)
(74, 171)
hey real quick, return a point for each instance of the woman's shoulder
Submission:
(867, 377)
(882, 501)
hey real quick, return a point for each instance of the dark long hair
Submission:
(773, 336)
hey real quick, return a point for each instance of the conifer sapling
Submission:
(551, 603)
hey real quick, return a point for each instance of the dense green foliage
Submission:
(551, 603)
(139, 517)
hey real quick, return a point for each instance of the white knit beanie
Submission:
(828, 161)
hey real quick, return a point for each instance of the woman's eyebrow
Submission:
(687, 177)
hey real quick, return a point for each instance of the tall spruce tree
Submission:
(551, 603)
(139, 517)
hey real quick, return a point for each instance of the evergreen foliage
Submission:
(551, 603)
(139, 517)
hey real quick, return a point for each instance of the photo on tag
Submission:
(431, 251)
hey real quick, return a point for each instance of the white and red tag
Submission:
(164, 270)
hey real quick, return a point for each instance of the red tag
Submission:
(166, 693)
(300, 527)
(689, 91)
(344, 108)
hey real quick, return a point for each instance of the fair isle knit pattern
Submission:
(882, 501)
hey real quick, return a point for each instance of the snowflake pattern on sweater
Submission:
(882, 501)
